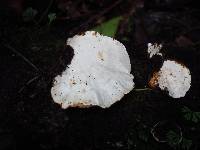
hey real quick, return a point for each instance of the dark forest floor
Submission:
(33, 52)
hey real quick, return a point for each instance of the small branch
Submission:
(27, 83)
(22, 56)
(144, 89)
(45, 12)
(153, 132)
(96, 16)
(130, 11)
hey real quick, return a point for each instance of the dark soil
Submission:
(30, 119)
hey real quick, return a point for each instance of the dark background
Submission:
(33, 52)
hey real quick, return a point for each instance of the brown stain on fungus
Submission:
(153, 82)
(81, 33)
(177, 61)
(72, 82)
(100, 55)
(81, 105)
(94, 33)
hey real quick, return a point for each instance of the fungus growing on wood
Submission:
(99, 73)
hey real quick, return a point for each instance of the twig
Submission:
(94, 17)
(22, 56)
(45, 12)
(130, 11)
(27, 83)
(144, 89)
(153, 132)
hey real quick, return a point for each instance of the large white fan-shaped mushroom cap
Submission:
(99, 73)
(174, 78)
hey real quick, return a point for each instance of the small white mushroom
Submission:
(154, 49)
(173, 77)
(99, 73)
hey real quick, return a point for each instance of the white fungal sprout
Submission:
(154, 49)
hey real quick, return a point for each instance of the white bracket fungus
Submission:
(154, 49)
(99, 73)
(173, 77)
